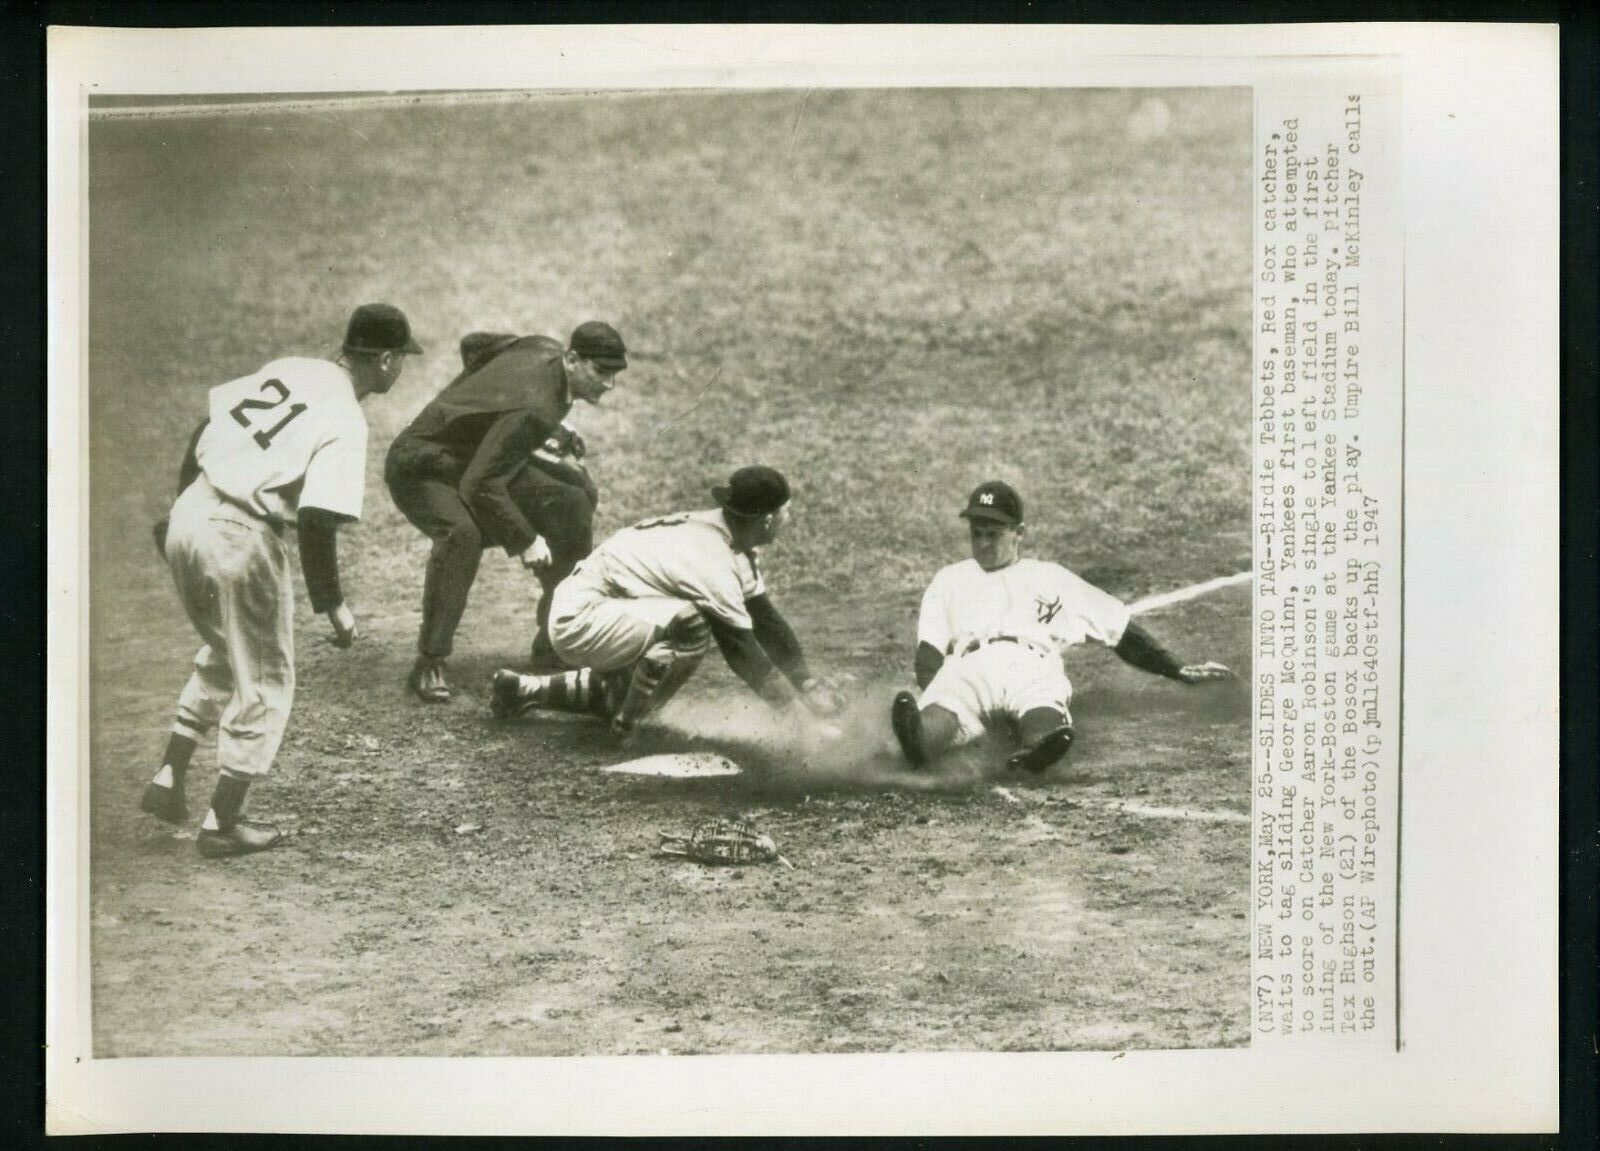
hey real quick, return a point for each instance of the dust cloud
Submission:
(791, 747)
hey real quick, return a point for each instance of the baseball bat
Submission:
(1185, 594)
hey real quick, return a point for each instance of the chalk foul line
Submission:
(1129, 807)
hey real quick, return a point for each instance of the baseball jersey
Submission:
(291, 435)
(688, 556)
(1031, 600)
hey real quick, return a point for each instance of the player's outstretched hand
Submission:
(537, 557)
(345, 630)
(805, 726)
(1204, 672)
(821, 700)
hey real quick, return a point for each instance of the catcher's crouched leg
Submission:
(664, 668)
(582, 691)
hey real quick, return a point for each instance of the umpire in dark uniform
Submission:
(461, 473)
(555, 494)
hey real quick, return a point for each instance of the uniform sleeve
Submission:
(1104, 616)
(189, 470)
(933, 625)
(750, 580)
(749, 661)
(725, 600)
(778, 639)
(485, 485)
(319, 558)
(336, 475)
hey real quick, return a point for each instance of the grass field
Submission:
(889, 295)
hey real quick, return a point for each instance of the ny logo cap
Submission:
(994, 500)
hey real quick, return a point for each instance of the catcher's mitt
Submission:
(723, 841)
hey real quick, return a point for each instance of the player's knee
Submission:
(940, 728)
(1038, 722)
(462, 536)
(571, 504)
(653, 666)
(679, 645)
(689, 633)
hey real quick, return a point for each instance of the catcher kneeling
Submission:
(990, 638)
(636, 617)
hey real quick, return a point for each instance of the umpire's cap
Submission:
(994, 500)
(380, 328)
(753, 491)
(598, 341)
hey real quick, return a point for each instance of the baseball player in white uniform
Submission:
(991, 637)
(284, 447)
(636, 617)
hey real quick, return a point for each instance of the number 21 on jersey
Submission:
(263, 435)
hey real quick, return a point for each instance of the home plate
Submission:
(682, 765)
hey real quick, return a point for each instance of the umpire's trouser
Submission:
(561, 513)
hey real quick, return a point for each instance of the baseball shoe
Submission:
(427, 681)
(906, 719)
(165, 803)
(624, 733)
(1044, 751)
(243, 838)
(505, 695)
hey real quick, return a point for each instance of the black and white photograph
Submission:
(861, 424)
(793, 580)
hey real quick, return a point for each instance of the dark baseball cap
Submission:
(994, 500)
(753, 491)
(599, 342)
(379, 328)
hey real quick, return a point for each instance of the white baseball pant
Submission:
(998, 682)
(232, 572)
(589, 628)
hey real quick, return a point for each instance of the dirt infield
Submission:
(890, 296)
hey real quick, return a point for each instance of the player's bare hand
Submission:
(537, 558)
(820, 699)
(575, 446)
(1204, 672)
(345, 629)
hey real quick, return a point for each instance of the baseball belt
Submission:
(250, 515)
(977, 643)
